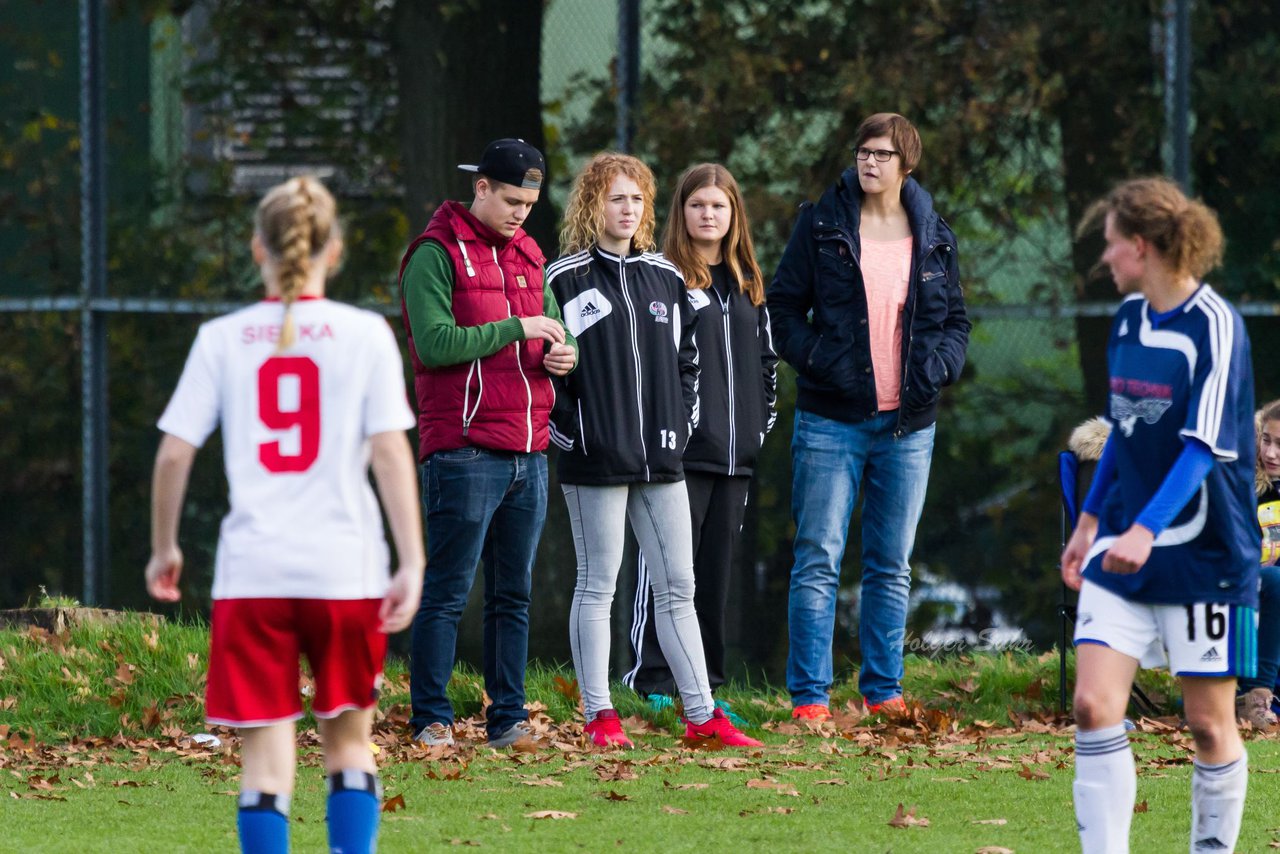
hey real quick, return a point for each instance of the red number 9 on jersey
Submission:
(289, 373)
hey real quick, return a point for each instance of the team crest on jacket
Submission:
(659, 311)
(1127, 412)
(1133, 398)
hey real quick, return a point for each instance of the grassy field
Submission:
(96, 754)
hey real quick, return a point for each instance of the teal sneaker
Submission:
(723, 705)
(659, 703)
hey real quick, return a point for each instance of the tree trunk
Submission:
(470, 72)
(1111, 123)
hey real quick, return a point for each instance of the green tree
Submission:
(1028, 112)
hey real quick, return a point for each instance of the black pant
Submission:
(717, 504)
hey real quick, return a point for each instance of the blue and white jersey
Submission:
(1187, 374)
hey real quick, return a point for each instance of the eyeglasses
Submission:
(882, 154)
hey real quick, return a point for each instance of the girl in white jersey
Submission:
(308, 393)
(1165, 554)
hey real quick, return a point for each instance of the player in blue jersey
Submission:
(1166, 552)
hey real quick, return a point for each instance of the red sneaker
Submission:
(811, 712)
(606, 730)
(895, 706)
(719, 725)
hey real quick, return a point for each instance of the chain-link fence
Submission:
(190, 137)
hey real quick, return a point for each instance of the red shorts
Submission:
(254, 658)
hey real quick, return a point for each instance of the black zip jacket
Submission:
(626, 412)
(737, 381)
(831, 351)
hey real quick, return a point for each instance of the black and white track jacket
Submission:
(626, 412)
(738, 379)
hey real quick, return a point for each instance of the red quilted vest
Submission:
(503, 401)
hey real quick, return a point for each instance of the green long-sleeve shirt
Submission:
(439, 340)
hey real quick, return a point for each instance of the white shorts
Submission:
(1201, 639)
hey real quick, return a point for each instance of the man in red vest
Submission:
(484, 333)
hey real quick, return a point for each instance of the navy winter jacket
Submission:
(831, 350)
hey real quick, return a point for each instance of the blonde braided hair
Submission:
(295, 222)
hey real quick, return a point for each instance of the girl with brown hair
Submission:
(708, 237)
(1165, 554)
(622, 421)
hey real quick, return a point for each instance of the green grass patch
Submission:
(138, 678)
(799, 794)
(94, 750)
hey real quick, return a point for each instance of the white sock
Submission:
(1217, 804)
(1105, 787)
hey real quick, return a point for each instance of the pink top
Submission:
(886, 267)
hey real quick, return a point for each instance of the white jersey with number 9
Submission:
(304, 521)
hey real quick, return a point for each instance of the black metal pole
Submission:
(628, 71)
(1182, 98)
(93, 331)
(1177, 80)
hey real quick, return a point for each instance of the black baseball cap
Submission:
(511, 161)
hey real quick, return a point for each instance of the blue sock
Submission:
(355, 799)
(263, 823)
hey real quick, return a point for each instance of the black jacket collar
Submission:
(841, 207)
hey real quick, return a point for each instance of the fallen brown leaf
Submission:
(542, 781)
(684, 786)
(568, 688)
(550, 814)
(993, 849)
(773, 786)
(620, 770)
(1141, 806)
(470, 843)
(990, 821)
(907, 818)
(728, 763)
(611, 795)
(670, 810)
(1032, 773)
(150, 717)
(393, 804)
(712, 744)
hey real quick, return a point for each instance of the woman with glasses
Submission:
(867, 307)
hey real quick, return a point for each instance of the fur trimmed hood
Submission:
(1087, 439)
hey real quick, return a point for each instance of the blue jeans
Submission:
(1268, 631)
(486, 505)
(831, 460)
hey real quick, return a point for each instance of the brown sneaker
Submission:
(1254, 706)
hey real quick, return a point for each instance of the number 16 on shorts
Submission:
(1197, 639)
(1213, 639)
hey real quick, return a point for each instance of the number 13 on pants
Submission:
(289, 399)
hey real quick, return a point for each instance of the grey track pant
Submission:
(659, 516)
